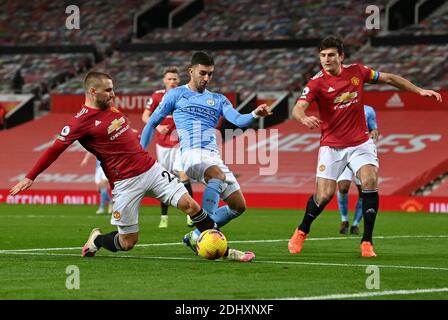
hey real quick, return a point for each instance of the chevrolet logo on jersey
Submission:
(346, 97)
(115, 125)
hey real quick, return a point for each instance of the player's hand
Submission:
(311, 122)
(22, 185)
(374, 134)
(263, 110)
(162, 129)
(431, 94)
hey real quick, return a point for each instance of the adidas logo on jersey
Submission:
(97, 123)
(330, 89)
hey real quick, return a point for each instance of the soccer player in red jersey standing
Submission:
(167, 145)
(338, 91)
(105, 132)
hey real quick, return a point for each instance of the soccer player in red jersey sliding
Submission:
(105, 132)
(338, 91)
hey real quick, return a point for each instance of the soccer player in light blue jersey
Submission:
(196, 112)
(347, 177)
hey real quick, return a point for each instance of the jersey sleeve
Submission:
(230, 114)
(69, 134)
(309, 93)
(368, 75)
(165, 107)
(46, 159)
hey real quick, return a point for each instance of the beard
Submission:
(201, 87)
(103, 104)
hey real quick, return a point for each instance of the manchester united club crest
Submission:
(117, 215)
(355, 81)
(322, 168)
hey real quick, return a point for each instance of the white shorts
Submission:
(169, 158)
(348, 175)
(196, 161)
(127, 194)
(333, 161)
(99, 175)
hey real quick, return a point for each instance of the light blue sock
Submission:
(343, 205)
(210, 197)
(358, 213)
(104, 196)
(223, 215)
(196, 233)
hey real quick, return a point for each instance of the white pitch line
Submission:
(234, 241)
(367, 294)
(325, 264)
(117, 256)
(372, 262)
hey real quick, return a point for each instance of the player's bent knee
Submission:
(240, 208)
(128, 241)
(369, 183)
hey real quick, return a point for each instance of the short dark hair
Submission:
(332, 42)
(170, 69)
(203, 58)
(93, 77)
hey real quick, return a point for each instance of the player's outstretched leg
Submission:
(163, 215)
(311, 212)
(370, 204)
(104, 197)
(343, 209)
(210, 197)
(187, 185)
(354, 229)
(110, 241)
(237, 255)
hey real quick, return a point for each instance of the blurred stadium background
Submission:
(265, 51)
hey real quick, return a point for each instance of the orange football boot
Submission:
(296, 242)
(367, 249)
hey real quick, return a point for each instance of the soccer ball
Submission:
(211, 244)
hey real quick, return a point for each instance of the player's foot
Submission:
(241, 256)
(100, 211)
(90, 249)
(344, 227)
(163, 222)
(190, 222)
(354, 230)
(296, 242)
(190, 242)
(367, 249)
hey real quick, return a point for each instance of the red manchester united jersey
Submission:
(170, 139)
(341, 104)
(106, 134)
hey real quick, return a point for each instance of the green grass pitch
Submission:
(39, 243)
